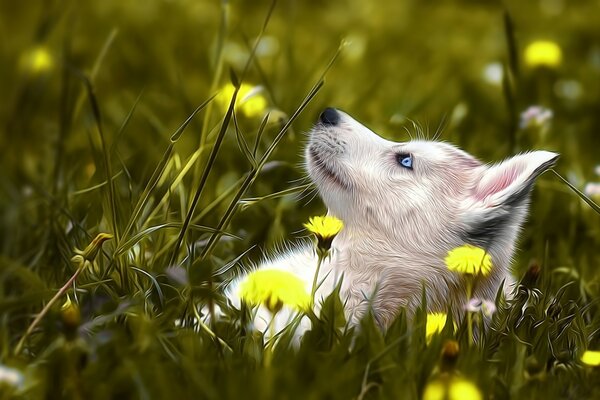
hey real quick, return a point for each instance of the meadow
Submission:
(175, 130)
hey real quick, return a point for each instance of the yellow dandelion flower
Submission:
(464, 390)
(250, 99)
(435, 390)
(37, 60)
(591, 358)
(325, 229)
(453, 389)
(470, 260)
(274, 288)
(435, 324)
(543, 53)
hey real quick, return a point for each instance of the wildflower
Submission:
(274, 288)
(470, 260)
(488, 308)
(91, 251)
(451, 389)
(325, 229)
(435, 324)
(592, 189)
(536, 117)
(250, 100)
(569, 89)
(591, 358)
(37, 61)
(543, 53)
(10, 377)
(493, 73)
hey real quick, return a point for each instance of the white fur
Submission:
(399, 224)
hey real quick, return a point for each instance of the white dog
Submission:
(404, 206)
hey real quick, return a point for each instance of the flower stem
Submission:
(470, 314)
(316, 277)
(45, 310)
(271, 344)
(206, 329)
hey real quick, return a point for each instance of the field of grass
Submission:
(117, 117)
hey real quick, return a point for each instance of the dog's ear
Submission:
(510, 181)
(499, 196)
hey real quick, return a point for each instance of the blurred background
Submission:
(96, 89)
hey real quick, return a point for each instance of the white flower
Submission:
(536, 117)
(10, 376)
(493, 73)
(568, 89)
(592, 189)
(476, 305)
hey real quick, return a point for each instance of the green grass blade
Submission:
(261, 129)
(579, 193)
(208, 167)
(158, 171)
(242, 143)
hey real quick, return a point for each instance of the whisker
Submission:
(306, 192)
(441, 127)
(408, 132)
(307, 202)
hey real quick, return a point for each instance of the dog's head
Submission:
(419, 192)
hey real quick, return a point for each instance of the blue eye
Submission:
(405, 160)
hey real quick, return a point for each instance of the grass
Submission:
(112, 123)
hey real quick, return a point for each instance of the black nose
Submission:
(330, 116)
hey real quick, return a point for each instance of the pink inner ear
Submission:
(498, 182)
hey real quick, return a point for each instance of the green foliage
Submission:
(112, 122)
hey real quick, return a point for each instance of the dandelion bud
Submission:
(77, 259)
(91, 251)
(70, 315)
(531, 275)
(533, 368)
(449, 354)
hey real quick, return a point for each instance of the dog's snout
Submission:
(329, 116)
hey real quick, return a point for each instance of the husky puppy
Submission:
(404, 206)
